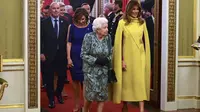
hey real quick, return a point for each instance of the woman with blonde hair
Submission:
(132, 59)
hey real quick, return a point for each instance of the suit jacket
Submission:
(68, 17)
(50, 42)
(92, 19)
(150, 28)
(110, 18)
(114, 25)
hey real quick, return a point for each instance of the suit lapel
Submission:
(50, 26)
(60, 27)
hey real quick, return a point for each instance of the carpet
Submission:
(69, 103)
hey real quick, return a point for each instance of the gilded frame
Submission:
(32, 54)
(171, 51)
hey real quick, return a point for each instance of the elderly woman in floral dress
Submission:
(96, 57)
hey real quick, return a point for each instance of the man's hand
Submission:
(42, 57)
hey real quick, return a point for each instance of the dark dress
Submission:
(76, 36)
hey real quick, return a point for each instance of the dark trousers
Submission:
(42, 71)
(56, 66)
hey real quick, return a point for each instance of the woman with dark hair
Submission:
(132, 59)
(76, 33)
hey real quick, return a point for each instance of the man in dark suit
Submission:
(115, 21)
(77, 3)
(109, 14)
(53, 52)
(86, 6)
(148, 14)
(69, 12)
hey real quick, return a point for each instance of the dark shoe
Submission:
(66, 81)
(44, 86)
(60, 99)
(52, 104)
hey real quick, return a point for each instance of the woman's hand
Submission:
(70, 63)
(123, 65)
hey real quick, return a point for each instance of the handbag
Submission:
(111, 73)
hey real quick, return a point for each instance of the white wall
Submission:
(188, 93)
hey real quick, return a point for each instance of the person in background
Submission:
(69, 13)
(115, 21)
(77, 31)
(45, 12)
(132, 59)
(86, 6)
(53, 52)
(96, 57)
(109, 14)
(62, 15)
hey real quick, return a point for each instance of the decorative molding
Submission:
(171, 52)
(11, 106)
(12, 60)
(32, 55)
(188, 97)
(1, 63)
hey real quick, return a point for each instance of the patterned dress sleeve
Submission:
(85, 50)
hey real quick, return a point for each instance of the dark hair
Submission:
(129, 8)
(84, 4)
(47, 7)
(78, 15)
(119, 3)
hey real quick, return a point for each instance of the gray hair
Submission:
(98, 23)
(67, 7)
(54, 3)
(109, 6)
(61, 4)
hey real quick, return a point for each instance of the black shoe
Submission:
(52, 104)
(66, 81)
(44, 86)
(60, 99)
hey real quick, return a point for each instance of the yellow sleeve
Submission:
(148, 61)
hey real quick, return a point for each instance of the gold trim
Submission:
(13, 70)
(171, 51)
(11, 106)
(181, 57)
(10, 65)
(12, 60)
(32, 54)
(188, 97)
(1, 63)
(3, 86)
(188, 65)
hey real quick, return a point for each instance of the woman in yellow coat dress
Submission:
(132, 59)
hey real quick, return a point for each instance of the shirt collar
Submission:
(52, 18)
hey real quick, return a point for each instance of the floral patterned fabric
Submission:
(95, 76)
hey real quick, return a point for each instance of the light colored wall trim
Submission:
(13, 65)
(8, 106)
